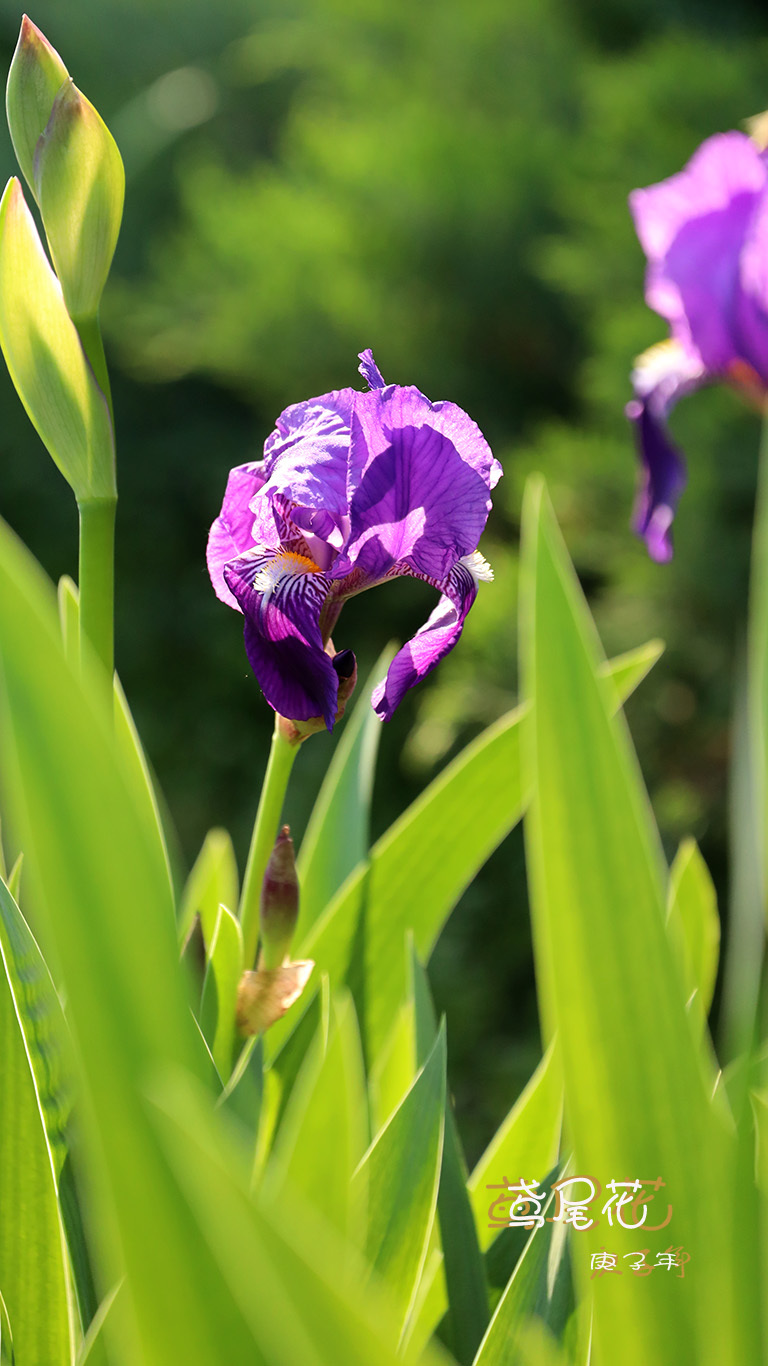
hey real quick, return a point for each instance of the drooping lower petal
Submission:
(663, 374)
(433, 641)
(282, 595)
(419, 483)
(231, 533)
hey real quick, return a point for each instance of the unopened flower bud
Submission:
(279, 903)
(36, 75)
(80, 184)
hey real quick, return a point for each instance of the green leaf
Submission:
(101, 888)
(416, 874)
(125, 726)
(35, 76)
(462, 1263)
(80, 185)
(527, 1141)
(32, 1270)
(393, 1068)
(401, 1170)
(297, 1285)
(337, 835)
(46, 360)
(540, 1285)
(212, 883)
(69, 617)
(6, 1335)
(225, 966)
(627, 671)
(315, 1159)
(93, 1349)
(637, 1102)
(692, 908)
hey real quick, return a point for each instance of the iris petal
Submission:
(433, 641)
(282, 595)
(420, 479)
(232, 532)
(662, 376)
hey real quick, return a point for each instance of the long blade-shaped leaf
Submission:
(32, 1270)
(419, 869)
(402, 1169)
(101, 884)
(609, 983)
(462, 1263)
(337, 836)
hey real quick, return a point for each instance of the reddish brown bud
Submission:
(279, 902)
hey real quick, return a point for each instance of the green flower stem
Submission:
(749, 801)
(97, 578)
(281, 757)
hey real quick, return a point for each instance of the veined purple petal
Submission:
(305, 458)
(231, 533)
(435, 638)
(692, 228)
(281, 596)
(662, 376)
(370, 370)
(420, 480)
(751, 313)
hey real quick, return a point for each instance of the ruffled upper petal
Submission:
(693, 227)
(662, 375)
(420, 476)
(435, 638)
(231, 533)
(370, 370)
(282, 595)
(306, 456)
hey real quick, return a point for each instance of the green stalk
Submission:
(97, 578)
(279, 765)
(749, 800)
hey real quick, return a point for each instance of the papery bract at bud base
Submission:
(36, 76)
(355, 489)
(705, 234)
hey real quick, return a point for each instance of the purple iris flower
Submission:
(354, 489)
(705, 233)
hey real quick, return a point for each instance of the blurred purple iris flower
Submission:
(354, 489)
(705, 233)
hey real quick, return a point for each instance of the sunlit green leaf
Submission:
(337, 836)
(692, 905)
(417, 872)
(217, 1011)
(34, 1102)
(462, 1264)
(402, 1169)
(637, 1094)
(540, 1285)
(324, 1133)
(292, 1279)
(212, 882)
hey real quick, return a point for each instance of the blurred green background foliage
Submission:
(446, 183)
